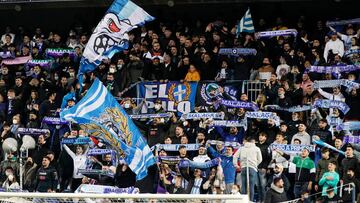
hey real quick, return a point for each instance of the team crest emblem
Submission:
(179, 92)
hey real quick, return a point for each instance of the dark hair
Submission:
(46, 157)
(324, 149)
(182, 146)
(297, 140)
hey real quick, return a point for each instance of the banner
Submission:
(32, 131)
(102, 189)
(325, 103)
(289, 109)
(240, 104)
(101, 116)
(343, 22)
(226, 123)
(237, 51)
(209, 91)
(59, 52)
(146, 116)
(16, 61)
(76, 141)
(275, 33)
(351, 139)
(175, 147)
(190, 116)
(291, 149)
(175, 96)
(6, 55)
(54, 121)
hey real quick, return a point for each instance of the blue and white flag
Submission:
(110, 35)
(101, 116)
(245, 24)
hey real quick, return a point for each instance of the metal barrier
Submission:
(252, 88)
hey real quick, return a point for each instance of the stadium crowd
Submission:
(190, 52)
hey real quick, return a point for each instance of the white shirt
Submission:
(336, 46)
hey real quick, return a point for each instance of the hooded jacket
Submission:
(250, 155)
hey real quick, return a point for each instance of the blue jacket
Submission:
(227, 165)
(227, 137)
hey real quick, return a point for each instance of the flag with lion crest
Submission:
(101, 116)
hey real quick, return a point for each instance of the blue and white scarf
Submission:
(95, 152)
(263, 115)
(32, 131)
(289, 109)
(59, 52)
(170, 160)
(325, 103)
(190, 116)
(351, 52)
(349, 125)
(175, 147)
(76, 141)
(225, 123)
(351, 139)
(237, 51)
(343, 22)
(54, 121)
(333, 69)
(291, 148)
(183, 163)
(275, 33)
(335, 83)
(226, 144)
(47, 63)
(146, 116)
(102, 189)
(240, 104)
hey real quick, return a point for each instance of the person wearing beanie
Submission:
(276, 193)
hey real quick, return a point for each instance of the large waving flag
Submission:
(245, 24)
(99, 114)
(110, 35)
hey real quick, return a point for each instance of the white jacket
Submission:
(249, 154)
(336, 46)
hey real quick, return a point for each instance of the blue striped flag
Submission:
(110, 35)
(245, 24)
(101, 116)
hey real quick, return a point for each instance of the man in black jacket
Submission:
(266, 155)
(350, 161)
(349, 189)
(276, 192)
(46, 177)
(323, 132)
